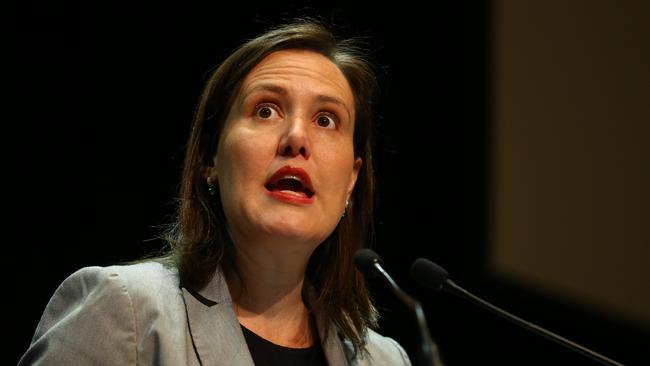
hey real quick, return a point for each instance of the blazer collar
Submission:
(217, 335)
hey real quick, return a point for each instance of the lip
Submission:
(287, 197)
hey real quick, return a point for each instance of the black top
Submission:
(266, 353)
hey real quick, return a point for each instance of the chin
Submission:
(295, 230)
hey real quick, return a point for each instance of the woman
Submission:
(276, 197)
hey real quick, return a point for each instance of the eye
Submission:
(266, 111)
(326, 121)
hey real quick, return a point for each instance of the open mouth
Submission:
(290, 185)
(291, 181)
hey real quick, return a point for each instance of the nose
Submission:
(295, 141)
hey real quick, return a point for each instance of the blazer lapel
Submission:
(332, 344)
(215, 330)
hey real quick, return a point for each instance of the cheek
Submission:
(337, 165)
(243, 158)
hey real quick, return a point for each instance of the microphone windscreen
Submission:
(429, 274)
(364, 260)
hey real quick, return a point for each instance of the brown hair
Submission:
(199, 239)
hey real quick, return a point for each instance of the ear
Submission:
(353, 176)
(211, 171)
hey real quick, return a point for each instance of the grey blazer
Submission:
(139, 315)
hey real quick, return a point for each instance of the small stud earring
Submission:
(211, 188)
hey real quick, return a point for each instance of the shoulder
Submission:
(96, 314)
(385, 350)
(124, 290)
(141, 275)
(146, 277)
(143, 279)
(142, 285)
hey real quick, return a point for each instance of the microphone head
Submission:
(429, 274)
(364, 260)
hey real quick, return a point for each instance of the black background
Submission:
(99, 107)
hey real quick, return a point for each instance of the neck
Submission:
(267, 294)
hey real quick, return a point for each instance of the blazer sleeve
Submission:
(88, 321)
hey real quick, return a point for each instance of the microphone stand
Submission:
(426, 353)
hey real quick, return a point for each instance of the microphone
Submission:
(434, 277)
(369, 263)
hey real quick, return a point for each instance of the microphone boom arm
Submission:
(451, 287)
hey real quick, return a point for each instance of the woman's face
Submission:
(285, 163)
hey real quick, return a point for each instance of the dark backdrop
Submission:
(100, 105)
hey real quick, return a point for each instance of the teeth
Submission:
(291, 177)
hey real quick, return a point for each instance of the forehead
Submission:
(301, 71)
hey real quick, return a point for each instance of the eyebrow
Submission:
(277, 89)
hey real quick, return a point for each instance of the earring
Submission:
(345, 212)
(212, 190)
